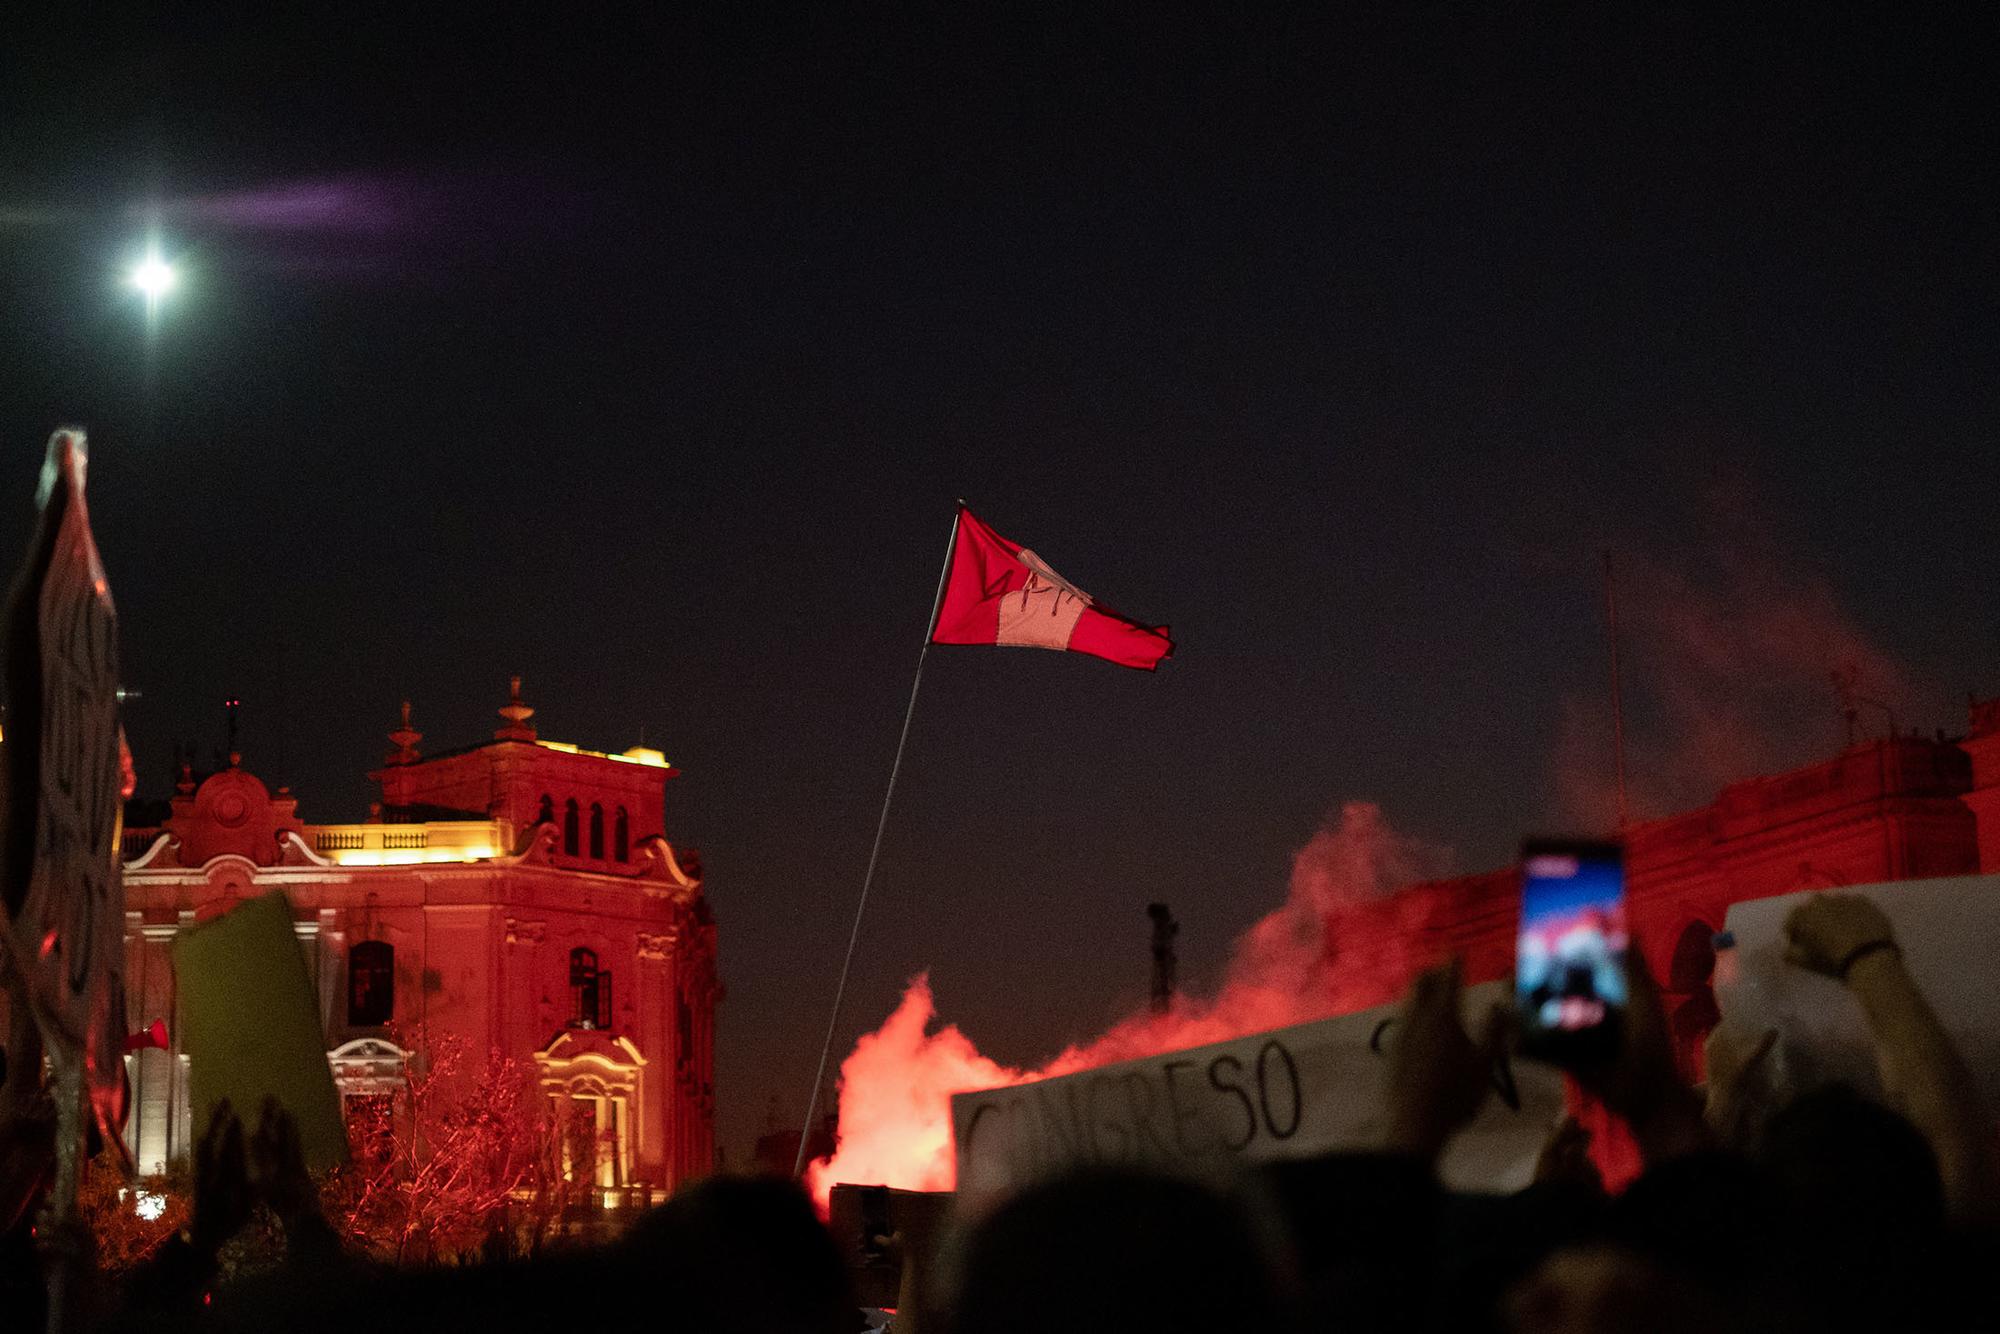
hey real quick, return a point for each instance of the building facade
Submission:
(1888, 809)
(1895, 808)
(519, 895)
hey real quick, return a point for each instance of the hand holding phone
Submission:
(1569, 962)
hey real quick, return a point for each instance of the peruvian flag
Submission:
(1000, 593)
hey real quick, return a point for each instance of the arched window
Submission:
(621, 837)
(371, 983)
(589, 990)
(597, 831)
(546, 813)
(570, 840)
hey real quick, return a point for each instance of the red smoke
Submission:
(896, 1086)
(1728, 663)
(895, 1091)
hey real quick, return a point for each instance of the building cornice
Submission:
(657, 870)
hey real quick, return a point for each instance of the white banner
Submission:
(1289, 1093)
(1949, 930)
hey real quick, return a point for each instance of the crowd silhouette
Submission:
(1758, 1208)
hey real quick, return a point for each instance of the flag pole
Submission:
(1617, 694)
(881, 824)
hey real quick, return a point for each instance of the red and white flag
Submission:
(1000, 593)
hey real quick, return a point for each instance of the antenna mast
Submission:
(1617, 692)
(1165, 961)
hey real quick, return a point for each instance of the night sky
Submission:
(645, 355)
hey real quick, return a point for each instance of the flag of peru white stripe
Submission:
(1000, 593)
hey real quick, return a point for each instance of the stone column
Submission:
(332, 975)
(655, 1010)
(149, 978)
(521, 984)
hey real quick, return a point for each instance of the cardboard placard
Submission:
(1290, 1093)
(1949, 931)
(250, 1025)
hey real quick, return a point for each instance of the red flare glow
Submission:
(896, 1086)
(895, 1100)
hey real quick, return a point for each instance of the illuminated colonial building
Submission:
(1895, 808)
(520, 894)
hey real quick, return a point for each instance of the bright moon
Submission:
(155, 277)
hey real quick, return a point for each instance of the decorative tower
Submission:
(516, 714)
(403, 741)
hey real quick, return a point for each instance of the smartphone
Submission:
(1569, 962)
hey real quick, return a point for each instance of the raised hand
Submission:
(1847, 937)
(1565, 1158)
(222, 1195)
(278, 1165)
(1829, 933)
(1735, 1063)
(1641, 1082)
(1438, 1075)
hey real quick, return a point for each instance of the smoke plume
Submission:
(1729, 672)
(896, 1086)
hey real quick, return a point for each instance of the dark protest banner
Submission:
(1949, 931)
(1292, 1092)
(250, 1024)
(65, 901)
(59, 872)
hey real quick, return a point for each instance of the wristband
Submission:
(1860, 952)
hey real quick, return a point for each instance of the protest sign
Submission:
(65, 903)
(1949, 930)
(250, 1024)
(1288, 1093)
